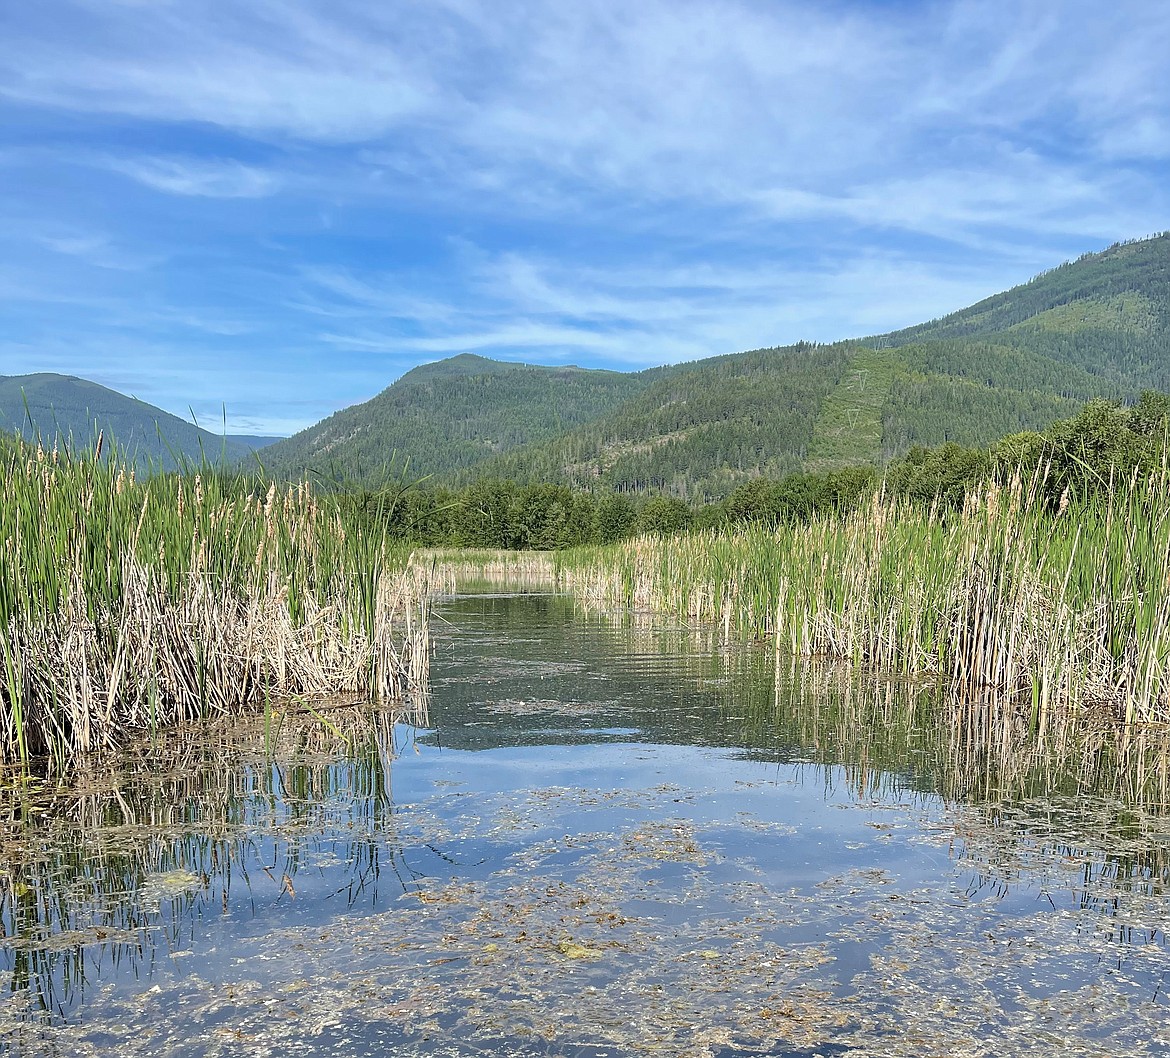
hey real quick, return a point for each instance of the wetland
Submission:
(599, 839)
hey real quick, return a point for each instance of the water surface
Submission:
(605, 841)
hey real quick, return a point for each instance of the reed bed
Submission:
(1028, 608)
(129, 605)
(470, 568)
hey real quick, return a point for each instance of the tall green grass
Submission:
(1014, 599)
(139, 603)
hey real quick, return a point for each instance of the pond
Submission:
(605, 841)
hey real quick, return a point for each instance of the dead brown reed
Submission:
(156, 661)
(451, 571)
(128, 606)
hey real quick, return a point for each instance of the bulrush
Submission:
(1048, 613)
(128, 606)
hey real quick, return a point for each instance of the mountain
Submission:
(62, 409)
(1098, 326)
(701, 427)
(451, 416)
(1107, 312)
(1095, 327)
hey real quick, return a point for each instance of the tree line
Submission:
(1103, 446)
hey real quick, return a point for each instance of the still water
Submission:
(605, 842)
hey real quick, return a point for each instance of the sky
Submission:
(267, 210)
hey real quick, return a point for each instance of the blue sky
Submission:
(282, 205)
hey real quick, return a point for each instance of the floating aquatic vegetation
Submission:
(789, 894)
(578, 941)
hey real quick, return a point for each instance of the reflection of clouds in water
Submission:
(653, 940)
(803, 889)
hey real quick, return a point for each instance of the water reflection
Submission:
(120, 873)
(607, 840)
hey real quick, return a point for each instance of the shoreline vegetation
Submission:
(136, 605)
(1043, 627)
(1028, 584)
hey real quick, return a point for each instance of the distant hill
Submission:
(72, 411)
(1098, 326)
(698, 429)
(1107, 312)
(450, 416)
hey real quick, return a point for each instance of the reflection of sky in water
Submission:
(606, 843)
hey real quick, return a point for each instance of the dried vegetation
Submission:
(131, 605)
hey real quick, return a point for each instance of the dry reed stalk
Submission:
(127, 606)
(1040, 610)
(158, 662)
(449, 570)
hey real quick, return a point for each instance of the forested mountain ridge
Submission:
(67, 411)
(696, 431)
(1100, 322)
(1125, 288)
(449, 416)
(1098, 326)
(702, 431)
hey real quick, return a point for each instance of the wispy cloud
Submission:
(658, 313)
(263, 67)
(95, 248)
(208, 178)
(325, 192)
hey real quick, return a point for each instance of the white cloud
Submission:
(597, 180)
(259, 67)
(93, 248)
(201, 177)
(638, 316)
(660, 97)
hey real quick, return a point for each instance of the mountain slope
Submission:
(1098, 326)
(697, 430)
(1106, 313)
(449, 416)
(1095, 327)
(1124, 287)
(65, 410)
(1020, 360)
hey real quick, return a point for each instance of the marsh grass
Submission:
(1039, 619)
(140, 604)
(472, 569)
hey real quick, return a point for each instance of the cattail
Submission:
(81, 563)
